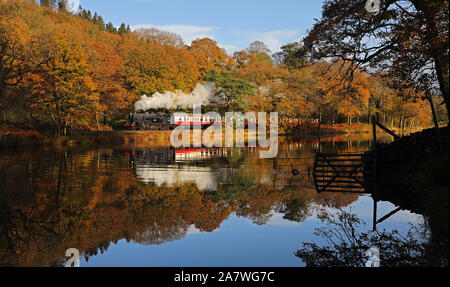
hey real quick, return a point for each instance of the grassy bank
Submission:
(341, 129)
(13, 138)
(19, 138)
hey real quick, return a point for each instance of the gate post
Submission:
(374, 131)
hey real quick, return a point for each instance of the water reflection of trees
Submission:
(346, 245)
(89, 200)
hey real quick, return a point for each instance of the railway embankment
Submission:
(150, 138)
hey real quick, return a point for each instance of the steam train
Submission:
(161, 120)
(164, 121)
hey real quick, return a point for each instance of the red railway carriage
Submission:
(202, 120)
(165, 121)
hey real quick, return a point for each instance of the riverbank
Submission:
(412, 172)
(408, 169)
(418, 161)
(20, 138)
(342, 129)
(156, 138)
(16, 138)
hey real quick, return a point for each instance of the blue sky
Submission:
(234, 24)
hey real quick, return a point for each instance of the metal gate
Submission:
(349, 173)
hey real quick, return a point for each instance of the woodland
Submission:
(63, 71)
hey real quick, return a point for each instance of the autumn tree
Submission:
(314, 84)
(62, 88)
(260, 51)
(248, 67)
(150, 67)
(15, 53)
(48, 3)
(408, 39)
(209, 56)
(115, 101)
(153, 35)
(294, 104)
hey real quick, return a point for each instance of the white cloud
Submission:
(277, 219)
(229, 48)
(193, 230)
(276, 38)
(189, 33)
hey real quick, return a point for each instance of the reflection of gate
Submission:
(354, 173)
(293, 172)
(349, 173)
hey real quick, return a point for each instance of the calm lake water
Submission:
(159, 206)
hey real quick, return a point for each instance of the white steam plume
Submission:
(72, 5)
(201, 95)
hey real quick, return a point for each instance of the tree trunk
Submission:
(433, 112)
(430, 8)
(59, 124)
(403, 127)
(98, 124)
(65, 127)
(443, 84)
(320, 120)
(436, 122)
(2, 94)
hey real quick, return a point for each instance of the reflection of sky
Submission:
(277, 219)
(383, 208)
(240, 242)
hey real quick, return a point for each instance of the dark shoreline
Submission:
(413, 174)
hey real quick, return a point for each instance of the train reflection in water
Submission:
(171, 167)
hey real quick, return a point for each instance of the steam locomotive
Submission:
(150, 121)
(163, 121)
